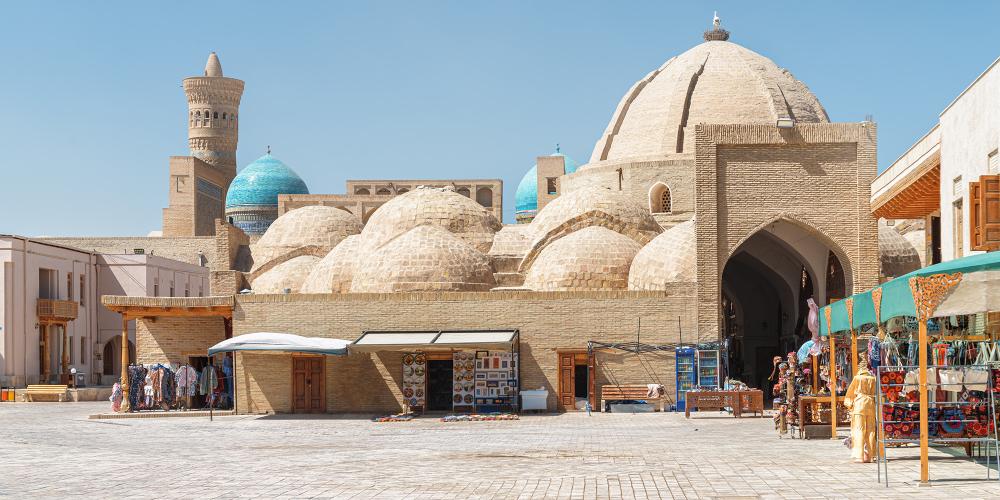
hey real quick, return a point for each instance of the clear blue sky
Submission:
(91, 100)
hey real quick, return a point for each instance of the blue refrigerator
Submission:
(684, 360)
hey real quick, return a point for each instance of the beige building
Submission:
(51, 320)
(716, 202)
(362, 197)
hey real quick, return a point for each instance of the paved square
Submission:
(53, 450)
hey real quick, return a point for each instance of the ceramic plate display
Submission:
(420, 358)
(408, 359)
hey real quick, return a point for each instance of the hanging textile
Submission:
(813, 324)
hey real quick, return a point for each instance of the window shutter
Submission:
(975, 233)
(989, 212)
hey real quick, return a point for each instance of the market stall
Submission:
(936, 305)
(467, 371)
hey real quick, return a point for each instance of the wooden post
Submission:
(922, 370)
(43, 330)
(833, 387)
(124, 381)
(65, 352)
(854, 352)
(815, 365)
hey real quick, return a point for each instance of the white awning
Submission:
(280, 342)
(401, 341)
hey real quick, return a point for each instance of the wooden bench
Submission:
(46, 390)
(628, 393)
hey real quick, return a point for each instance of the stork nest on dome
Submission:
(716, 34)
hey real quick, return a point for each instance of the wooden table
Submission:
(818, 400)
(749, 401)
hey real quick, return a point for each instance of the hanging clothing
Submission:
(976, 379)
(209, 380)
(187, 381)
(116, 397)
(813, 325)
(860, 400)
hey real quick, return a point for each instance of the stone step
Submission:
(509, 279)
(506, 263)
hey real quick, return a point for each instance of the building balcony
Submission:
(57, 310)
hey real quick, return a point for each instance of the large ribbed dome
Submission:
(426, 258)
(715, 82)
(590, 200)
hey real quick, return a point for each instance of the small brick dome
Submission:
(593, 258)
(335, 271)
(425, 258)
(314, 226)
(441, 207)
(897, 255)
(670, 258)
(574, 204)
(289, 274)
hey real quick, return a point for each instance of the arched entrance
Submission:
(765, 285)
(112, 356)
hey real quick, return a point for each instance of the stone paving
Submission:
(54, 450)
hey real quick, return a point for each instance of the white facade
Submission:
(970, 136)
(32, 269)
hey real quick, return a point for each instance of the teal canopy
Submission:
(897, 297)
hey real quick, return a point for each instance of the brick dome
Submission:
(714, 82)
(441, 207)
(897, 255)
(289, 274)
(670, 258)
(593, 258)
(315, 228)
(425, 258)
(334, 272)
(584, 202)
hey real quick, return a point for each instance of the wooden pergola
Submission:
(916, 196)
(160, 307)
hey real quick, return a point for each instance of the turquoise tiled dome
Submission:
(526, 196)
(260, 183)
(252, 201)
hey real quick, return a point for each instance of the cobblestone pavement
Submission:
(53, 450)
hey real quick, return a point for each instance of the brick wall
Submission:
(182, 249)
(548, 322)
(173, 339)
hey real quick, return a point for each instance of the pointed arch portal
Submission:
(765, 285)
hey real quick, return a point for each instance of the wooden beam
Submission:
(187, 312)
(124, 380)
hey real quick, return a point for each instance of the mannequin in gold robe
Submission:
(860, 400)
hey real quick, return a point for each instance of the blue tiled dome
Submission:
(526, 196)
(260, 183)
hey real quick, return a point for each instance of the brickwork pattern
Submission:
(547, 322)
(335, 271)
(290, 274)
(441, 207)
(817, 176)
(594, 258)
(424, 258)
(315, 225)
(173, 340)
(189, 249)
(670, 258)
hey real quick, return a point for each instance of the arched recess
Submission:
(660, 199)
(362, 191)
(112, 356)
(484, 196)
(770, 275)
(464, 192)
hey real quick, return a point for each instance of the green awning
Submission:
(864, 309)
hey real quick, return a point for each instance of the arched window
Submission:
(215, 115)
(383, 191)
(197, 114)
(464, 192)
(362, 191)
(660, 200)
(402, 190)
(223, 116)
(484, 196)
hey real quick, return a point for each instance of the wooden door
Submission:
(308, 387)
(989, 212)
(567, 391)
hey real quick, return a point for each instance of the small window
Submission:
(83, 350)
(993, 160)
(69, 286)
(197, 114)
(215, 115)
(171, 289)
(550, 183)
(660, 199)
(83, 290)
(223, 116)
(956, 187)
(201, 291)
(156, 287)
(70, 342)
(484, 196)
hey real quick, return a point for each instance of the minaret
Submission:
(213, 116)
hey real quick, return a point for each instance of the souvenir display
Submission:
(414, 369)
(463, 366)
(495, 380)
